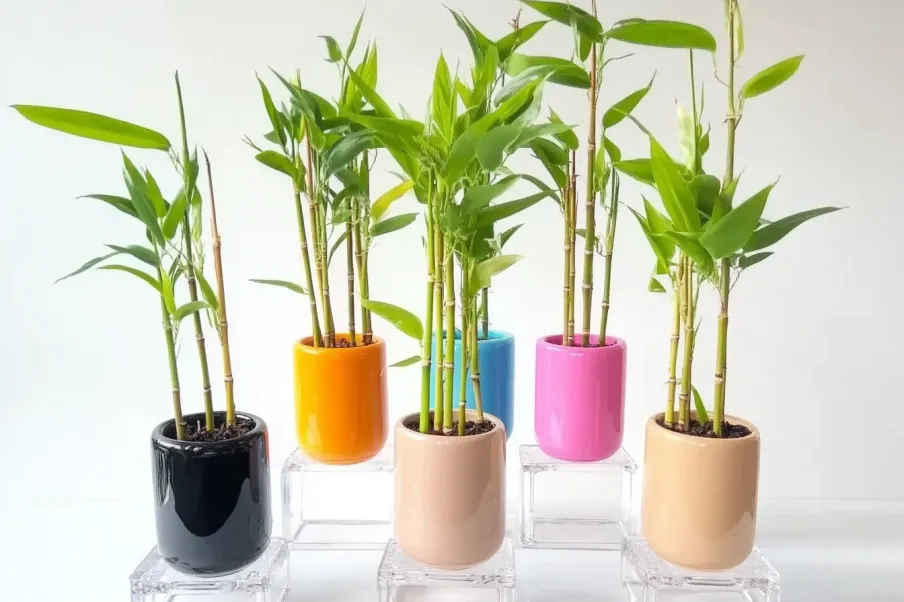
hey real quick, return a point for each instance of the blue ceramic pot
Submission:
(496, 355)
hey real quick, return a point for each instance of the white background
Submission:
(814, 356)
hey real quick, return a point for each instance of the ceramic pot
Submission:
(579, 411)
(700, 496)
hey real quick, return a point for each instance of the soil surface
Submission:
(576, 342)
(696, 429)
(471, 428)
(345, 343)
(198, 432)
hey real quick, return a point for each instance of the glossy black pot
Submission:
(211, 499)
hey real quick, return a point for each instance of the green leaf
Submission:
(623, 108)
(376, 101)
(611, 149)
(408, 361)
(391, 224)
(476, 198)
(282, 284)
(174, 216)
(532, 132)
(166, 289)
(207, 290)
(135, 272)
(189, 308)
(662, 247)
(354, 39)
(478, 42)
(733, 231)
(140, 253)
(401, 318)
(663, 34)
(154, 195)
(494, 213)
(566, 137)
(508, 44)
(382, 204)
(336, 244)
(491, 147)
(346, 150)
(639, 169)
(772, 233)
(705, 189)
(738, 26)
(278, 161)
(505, 236)
(94, 126)
(747, 261)
(691, 247)
(702, 415)
(569, 15)
(485, 270)
(676, 196)
(146, 213)
(687, 137)
(772, 77)
(87, 266)
(559, 71)
(333, 50)
(655, 286)
(272, 113)
(120, 203)
(547, 150)
(443, 98)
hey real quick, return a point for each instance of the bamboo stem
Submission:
(427, 342)
(188, 189)
(673, 350)
(315, 237)
(589, 205)
(610, 244)
(475, 375)
(462, 418)
(485, 312)
(449, 364)
(363, 280)
(439, 257)
(350, 270)
(574, 239)
(221, 296)
(173, 368)
(687, 365)
(324, 254)
(566, 270)
(464, 345)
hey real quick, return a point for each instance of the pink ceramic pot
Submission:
(579, 412)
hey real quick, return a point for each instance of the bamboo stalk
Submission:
(439, 257)
(462, 418)
(449, 364)
(329, 324)
(350, 270)
(363, 280)
(485, 312)
(427, 342)
(464, 344)
(305, 257)
(687, 365)
(566, 270)
(673, 351)
(574, 241)
(589, 204)
(190, 268)
(221, 306)
(610, 244)
(316, 237)
(475, 375)
(173, 366)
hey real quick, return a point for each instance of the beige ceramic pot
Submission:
(449, 495)
(700, 496)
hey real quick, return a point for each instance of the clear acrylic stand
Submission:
(398, 572)
(553, 516)
(649, 578)
(264, 580)
(337, 507)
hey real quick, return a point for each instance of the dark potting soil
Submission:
(221, 432)
(345, 343)
(471, 428)
(696, 429)
(577, 343)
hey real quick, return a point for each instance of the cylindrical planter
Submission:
(496, 355)
(449, 494)
(341, 415)
(579, 399)
(700, 496)
(211, 499)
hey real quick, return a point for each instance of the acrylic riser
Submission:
(399, 572)
(264, 580)
(553, 517)
(337, 507)
(649, 578)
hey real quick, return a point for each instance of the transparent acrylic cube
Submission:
(398, 574)
(649, 578)
(333, 507)
(264, 580)
(553, 516)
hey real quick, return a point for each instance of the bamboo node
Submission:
(605, 305)
(426, 363)
(448, 366)
(588, 251)
(228, 379)
(587, 286)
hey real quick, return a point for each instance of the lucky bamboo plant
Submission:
(329, 159)
(173, 231)
(702, 237)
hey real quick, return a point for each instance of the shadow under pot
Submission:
(496, 356)
(341, 414)
(211, 498)
(705, 522)
(579, 411)
(449, 494)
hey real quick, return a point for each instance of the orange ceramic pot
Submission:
(340, 401)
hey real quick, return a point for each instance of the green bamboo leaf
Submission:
(333, 50)
(476, 198)
(691, 247)
(385, 201)
(572, 16)
(505, 236)
(494, 213)
(297, 288)
(135, 272)
(404, 320)
(660, 224)
(660, 245)
(140, 253)
(612, 150)
(772, 77)
(491, 148)
(272, 113)
(121, 203)
(146, 213)
(508, 44)
(532, 132)
(188, 309)
(655, 286)
(443, 98)
(206, 290)
(168, 292)
(408, 361)
(566, 137)
(772, 233)
(623, 108)
(686, 136)
(705, 189)
(676, 196)
(747, 261)
(639, 169)
(154, 195)
(548, 150)
(346, 150)
(479, 43)
(336, 244)
(733, 231)
(94, 126)
(278, 161)
(376, 101)
(702, 415)
(174, 216)
(663, 34)
(354, 39)
(391, 224)
(559, 71)
(87, 266)
(484, 271)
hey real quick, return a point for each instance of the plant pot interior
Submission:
(342, 341)
(594, 341)
(472, 427)
(196, 430)
(730, 430)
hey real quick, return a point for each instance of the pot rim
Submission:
(547, 342)
(418, 436)
(307, 344)
(157, 436)
(753, 436)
